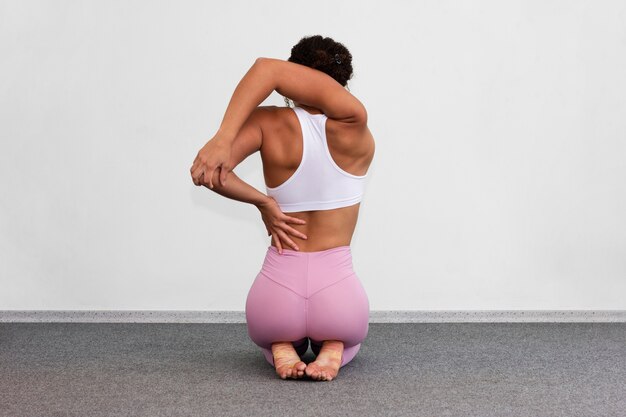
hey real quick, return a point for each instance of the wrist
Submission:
(263, 202)
(226, 135)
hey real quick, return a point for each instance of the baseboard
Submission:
(380, 316)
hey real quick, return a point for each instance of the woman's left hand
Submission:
(276, 224)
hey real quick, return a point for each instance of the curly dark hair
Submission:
(324, 54)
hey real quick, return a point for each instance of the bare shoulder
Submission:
(278, 130)
(272, 118)
(350, 138)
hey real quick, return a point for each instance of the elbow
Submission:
(360, 116)
(263, 60)
(260, 62)
(267, 68)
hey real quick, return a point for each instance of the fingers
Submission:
(195, 174)
(290, 229)
(294, 232)
(284, 237)
(277, 241)
(209, 177)
(199, 171)
(278, 235)
(223, 173)
(295, 220)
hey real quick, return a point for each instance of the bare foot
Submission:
(286, 361)
(326, 365)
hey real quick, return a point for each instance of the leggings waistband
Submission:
(345, 248)
(307, 272)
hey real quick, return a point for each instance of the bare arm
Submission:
(276, 222)
(298, 82)
(238, 189)
(248, 141)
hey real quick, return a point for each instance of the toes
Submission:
(314, 372)
(320, 373)
(299, 369)
(295, 371)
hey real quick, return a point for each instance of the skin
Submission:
(275, 132)
(281, 154)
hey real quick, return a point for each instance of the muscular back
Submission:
(281, 153)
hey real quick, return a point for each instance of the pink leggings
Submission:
(301, 296)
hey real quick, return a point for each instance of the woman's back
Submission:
(351, 151)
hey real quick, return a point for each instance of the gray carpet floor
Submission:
(402, 369)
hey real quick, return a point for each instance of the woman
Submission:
(316, 156)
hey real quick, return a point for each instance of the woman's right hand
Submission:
(214, 155)
(276, 224)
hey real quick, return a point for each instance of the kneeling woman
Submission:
(316, 158)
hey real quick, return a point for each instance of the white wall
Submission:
(498, 181)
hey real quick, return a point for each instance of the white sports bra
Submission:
(318, 183)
